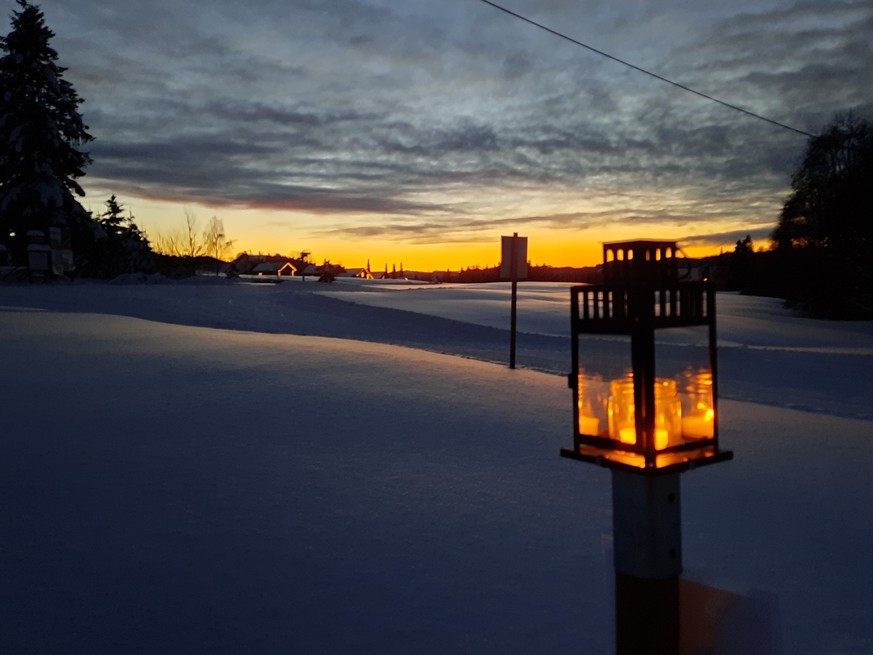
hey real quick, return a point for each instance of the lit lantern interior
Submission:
(683, 408)
(621, 410)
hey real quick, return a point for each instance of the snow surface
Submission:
(221, 467)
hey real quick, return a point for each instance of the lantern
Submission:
(644, 369)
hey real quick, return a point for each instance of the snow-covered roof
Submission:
(273, 267)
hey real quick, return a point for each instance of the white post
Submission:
(647, 527)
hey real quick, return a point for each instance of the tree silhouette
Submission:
(120, 246)
(740, 267)
(215, 241)
(40, 132)
(825, 230)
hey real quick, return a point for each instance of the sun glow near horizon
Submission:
(272, 231)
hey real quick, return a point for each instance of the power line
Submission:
(644, 71)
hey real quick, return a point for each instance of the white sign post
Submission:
(513, 267)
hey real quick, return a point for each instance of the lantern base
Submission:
(670, 462)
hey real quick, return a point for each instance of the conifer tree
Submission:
(120, 246)
(825, 231)
(40, 133)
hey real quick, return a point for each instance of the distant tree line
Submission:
(821, 253)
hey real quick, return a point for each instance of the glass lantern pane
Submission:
(602, 359)
(682, 357)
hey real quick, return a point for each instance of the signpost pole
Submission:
(513, 267)
(513, 276)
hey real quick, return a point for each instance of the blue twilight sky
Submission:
(422, 131)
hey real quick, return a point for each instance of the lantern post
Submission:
(647, 410)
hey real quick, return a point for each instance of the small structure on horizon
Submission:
(279, 269)
(361, 273)
(309, 269)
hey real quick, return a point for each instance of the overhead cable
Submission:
(644, 71)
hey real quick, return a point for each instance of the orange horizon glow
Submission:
(259, 232)
(442, 257)
(574, 253)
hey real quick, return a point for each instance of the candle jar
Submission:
(668, 412)
(620, 410)
(592, 405)
(698, 413)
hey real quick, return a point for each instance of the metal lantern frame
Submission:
(642, 294)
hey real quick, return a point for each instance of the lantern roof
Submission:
(641, 262)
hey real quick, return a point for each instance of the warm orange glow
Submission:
(589, 425)
(698, 418)
(592, 404)
(668, 412)
(698, 427)
(639, 461)
(274, 231)
(629, 435)
(621, 409)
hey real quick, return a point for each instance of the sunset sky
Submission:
(419, 132)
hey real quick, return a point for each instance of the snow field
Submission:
(182, 488)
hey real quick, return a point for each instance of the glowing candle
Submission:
(627, 435)
(699, 425)
(698, 415)
(668, 412)
(592, 404)
(589, 425)
(620, 410)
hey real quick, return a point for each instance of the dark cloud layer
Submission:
(421, 120)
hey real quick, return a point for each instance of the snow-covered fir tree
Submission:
(41, 131)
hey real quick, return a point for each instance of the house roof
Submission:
(273, 267)
(358, 272)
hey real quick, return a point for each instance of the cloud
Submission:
(759, 236)
(405, 112)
